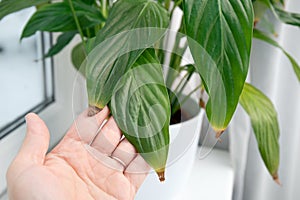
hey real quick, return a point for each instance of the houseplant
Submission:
(120, 36)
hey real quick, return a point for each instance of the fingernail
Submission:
(28, 116)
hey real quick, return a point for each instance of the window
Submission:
(44, 86)
(26, 79)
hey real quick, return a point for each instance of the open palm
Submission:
(86, 164)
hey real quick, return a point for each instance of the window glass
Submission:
(25, 77)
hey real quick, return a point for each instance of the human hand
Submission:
(81, 166)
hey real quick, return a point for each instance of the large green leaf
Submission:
(262, 36)
(141, 108)
(220, 36)
(265, 125)
(58, 17)
(129, 30)
(131, 14)
(9, 6)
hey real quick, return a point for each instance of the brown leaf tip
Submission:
(202, 103)
(93, 110)
(276, 179)
(219, 133)
(161, 176)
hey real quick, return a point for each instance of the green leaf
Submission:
(58, 17)
(53, 18)
(267, 25)
(262, 36)
(220, 36)
(277, 2)
(140, 105)
(88, 11)
(88, 2)
(265, 125)
(63, 40)
(281, 14)
(120, 42)
(131, 14)
(79, 54)
(259, 10)
(10, 6)
(287, 17)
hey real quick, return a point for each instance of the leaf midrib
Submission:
(140, 14)
(222, 31)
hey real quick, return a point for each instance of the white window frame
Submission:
(57, 115)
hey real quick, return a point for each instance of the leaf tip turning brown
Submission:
(276, 179)
(93, 110)
(219, 134)
(161, 176)
(202, 103)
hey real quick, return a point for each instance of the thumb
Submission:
(36, 142)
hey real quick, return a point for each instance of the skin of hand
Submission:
(81, 166)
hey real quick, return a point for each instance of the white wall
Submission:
(272, 73)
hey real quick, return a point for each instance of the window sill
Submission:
(212, 178)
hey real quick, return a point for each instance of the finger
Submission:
(125, 152)
(36, 142)
(108, 138)
(101, 116)
(137, 171)
(85, 128)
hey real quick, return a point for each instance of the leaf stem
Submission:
(77, 21)
(176, 108)
(175, 59)
(179, 88)
(186, 80)
(104, 8)
(181, 81)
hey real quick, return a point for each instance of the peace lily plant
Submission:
(219, 35)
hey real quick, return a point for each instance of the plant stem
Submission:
(176, 108)
(104, 8)
(160, 50)
(77, 22)
(172, 95)
(189, 75)
(88, 33)
(174, 64)
(175, 59)
(181, 81)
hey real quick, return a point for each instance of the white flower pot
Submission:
(184, 139)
